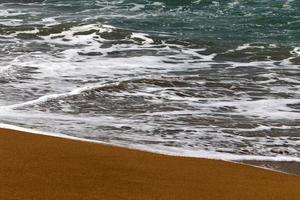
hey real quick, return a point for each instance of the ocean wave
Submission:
(222, 78)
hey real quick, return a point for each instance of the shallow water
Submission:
(216, 79)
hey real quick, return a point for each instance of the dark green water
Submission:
(237, 21)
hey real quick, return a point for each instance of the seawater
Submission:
(217, 79)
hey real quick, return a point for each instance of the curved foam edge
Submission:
(172, 151)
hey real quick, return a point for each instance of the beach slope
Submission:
(44, 167)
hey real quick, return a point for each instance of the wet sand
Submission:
(283, 166)
(43, 167)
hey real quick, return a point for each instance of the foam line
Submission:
(165, 151)
(51, 96)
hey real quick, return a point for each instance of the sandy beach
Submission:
(44, 167)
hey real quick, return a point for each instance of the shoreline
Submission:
(282, 166)
(45, 167)
(292, 168)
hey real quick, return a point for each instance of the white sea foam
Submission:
(296, 51)
(267, 108)
(146, 40)
(248, 46)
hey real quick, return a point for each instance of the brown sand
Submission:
(42, 167)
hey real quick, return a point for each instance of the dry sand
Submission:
(37, 167)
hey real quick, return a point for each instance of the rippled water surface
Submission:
(203, 78)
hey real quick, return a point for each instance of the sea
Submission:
(201, 78)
